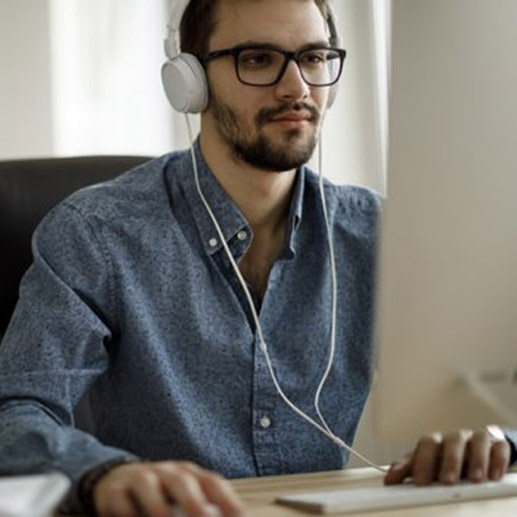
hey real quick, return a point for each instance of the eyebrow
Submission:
(272, 46)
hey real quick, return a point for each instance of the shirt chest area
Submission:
(189, 339)
(168, 288)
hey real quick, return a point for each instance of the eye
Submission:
(256, 58)
(314, 57)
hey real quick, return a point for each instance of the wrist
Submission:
(90, 480)
(511, 438)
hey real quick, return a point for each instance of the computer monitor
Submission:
(447, 300)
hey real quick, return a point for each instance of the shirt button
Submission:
(213, 242)
(242, 235)
(265, 422)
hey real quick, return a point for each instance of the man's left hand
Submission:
(474, 455)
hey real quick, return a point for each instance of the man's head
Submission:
(194, 36)
(272, 125)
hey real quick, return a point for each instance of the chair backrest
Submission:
(28, 190)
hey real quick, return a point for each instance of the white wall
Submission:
(25, 107)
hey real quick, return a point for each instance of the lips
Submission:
(295, 114)
(293, 117)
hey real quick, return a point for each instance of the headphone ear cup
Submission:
(185, 84)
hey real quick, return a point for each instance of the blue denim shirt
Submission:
(131, 297)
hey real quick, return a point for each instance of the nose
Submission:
(291, 86)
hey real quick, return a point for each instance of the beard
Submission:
(261, 151)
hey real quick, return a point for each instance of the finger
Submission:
(479, 456)
(220, 492)
(189, 466)
(499, 459)
(426, 459)
(183, 488)
(115, 500)
(146, 488)
(453, 456)
(399, 471)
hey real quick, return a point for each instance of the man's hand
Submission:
(152, 488)
(477, 456)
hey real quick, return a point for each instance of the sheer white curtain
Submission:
(362, 146)
(105, 68)
(381, 16)
(354, 136)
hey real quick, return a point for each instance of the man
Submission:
(131, 296)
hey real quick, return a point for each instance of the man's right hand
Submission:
(135, 489)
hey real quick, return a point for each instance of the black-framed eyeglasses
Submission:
(263, 66)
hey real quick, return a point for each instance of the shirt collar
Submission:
(226, 212)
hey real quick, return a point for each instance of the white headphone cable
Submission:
(333, 281)
(262, 344)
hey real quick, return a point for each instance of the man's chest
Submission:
(258, 261)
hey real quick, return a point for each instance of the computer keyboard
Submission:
(398, 496)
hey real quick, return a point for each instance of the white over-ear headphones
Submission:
(183, 75)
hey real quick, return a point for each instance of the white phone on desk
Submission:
(35, 495)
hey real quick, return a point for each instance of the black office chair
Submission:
(28, 190)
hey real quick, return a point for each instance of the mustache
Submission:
(267, 114)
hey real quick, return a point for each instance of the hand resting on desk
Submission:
(474, 455)
(151, 489)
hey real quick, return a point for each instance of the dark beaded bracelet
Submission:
(92, 477)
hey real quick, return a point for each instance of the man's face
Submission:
(273, 128)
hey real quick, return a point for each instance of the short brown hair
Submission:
(198, 24)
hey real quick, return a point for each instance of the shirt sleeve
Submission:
(56, 346)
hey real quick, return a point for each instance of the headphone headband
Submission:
(335, 38)
(172, 47)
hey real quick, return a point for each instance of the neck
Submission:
(263, 197)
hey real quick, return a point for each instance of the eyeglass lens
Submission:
(318, 67)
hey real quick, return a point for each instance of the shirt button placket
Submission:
(265, 440)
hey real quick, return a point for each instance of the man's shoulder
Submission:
(349, 198)
(142, 188)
